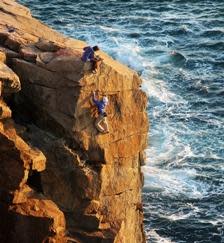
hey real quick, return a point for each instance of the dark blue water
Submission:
(184, 181)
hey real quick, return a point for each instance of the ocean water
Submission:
(177, 47)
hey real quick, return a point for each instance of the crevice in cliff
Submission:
(6, 12)
(117, 105)
(34, 181)
(118, 193)
(94, 165)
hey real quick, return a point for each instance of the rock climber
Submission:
(101, 121)
(89, 55)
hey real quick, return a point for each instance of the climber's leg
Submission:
(105, 125)
(98, 121)
(95, 64)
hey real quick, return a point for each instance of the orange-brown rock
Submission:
(60, 180)
(9, 80)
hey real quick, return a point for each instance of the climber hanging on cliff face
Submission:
(101, 121)
(89, 55)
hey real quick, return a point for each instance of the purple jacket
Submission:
(100, 105)
(88, 54)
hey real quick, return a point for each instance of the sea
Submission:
(177, 47)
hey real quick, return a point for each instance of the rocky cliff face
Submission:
(60, 180)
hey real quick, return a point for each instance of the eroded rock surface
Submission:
(60, 180)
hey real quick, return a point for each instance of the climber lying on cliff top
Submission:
(101, 121)
(89, 55)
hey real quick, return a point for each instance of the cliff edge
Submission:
(61, 180)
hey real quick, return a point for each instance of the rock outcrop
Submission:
(60, 180)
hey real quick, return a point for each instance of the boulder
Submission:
(46, 45)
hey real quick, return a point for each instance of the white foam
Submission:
(164, 169)
(174, 182)
(157, 88)
(109, 29)
(136, 17)
(152, 235)
(165, 145)
(179, 215)
(129, 54)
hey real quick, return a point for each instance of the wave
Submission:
(213, 33)
(214, 45)
(180, 30)
(156, 238)
(174, 183)
(185, 212)
(157, 88)
(109, 29)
